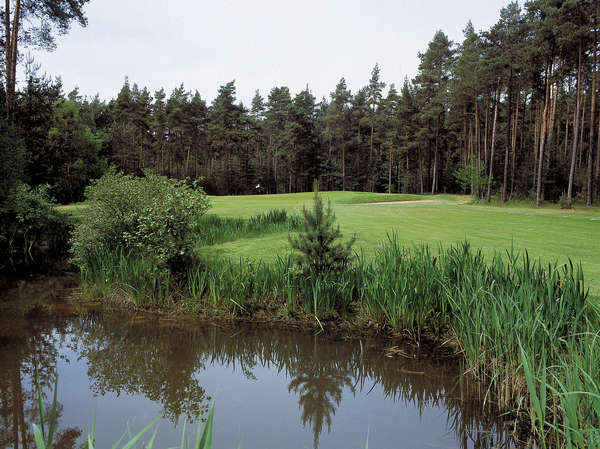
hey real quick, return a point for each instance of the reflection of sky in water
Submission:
(258, 404)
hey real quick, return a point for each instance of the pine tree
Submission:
(432, 80)
(375, 97)
(320, 253)
(338, 124)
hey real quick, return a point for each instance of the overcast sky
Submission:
(259, 43)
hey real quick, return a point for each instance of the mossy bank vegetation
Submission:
(524, 328)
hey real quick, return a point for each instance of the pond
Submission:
(272, 388)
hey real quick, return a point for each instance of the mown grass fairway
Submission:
(549, 233)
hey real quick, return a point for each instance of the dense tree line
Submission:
(509, 111)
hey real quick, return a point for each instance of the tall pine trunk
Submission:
(542, 136)
(508, 139)
(493, 143)
(390, 172)
(575, 125)
(11, 38)
(590, 162)
(343, 165)
(514, 144)
(434, 182)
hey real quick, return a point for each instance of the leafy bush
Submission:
(153, 217)
(320, 253)
(31, 230)
(564, 202)
(471, 176)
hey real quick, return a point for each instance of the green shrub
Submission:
(152, 217)
(472, 177)
(564, 202)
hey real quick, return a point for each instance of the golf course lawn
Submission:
(549, 233)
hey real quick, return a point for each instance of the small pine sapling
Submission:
(320, 252)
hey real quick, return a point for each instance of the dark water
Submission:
(273, 389)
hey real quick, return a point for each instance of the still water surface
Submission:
(273, 389)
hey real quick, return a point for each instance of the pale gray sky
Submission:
(259, 43)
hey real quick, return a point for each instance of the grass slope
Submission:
(549, 233)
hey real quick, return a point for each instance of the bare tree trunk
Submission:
(187, 163)
(371, 181)
(343, 165)
(576, 125)
(477, 130)
(590, 162)
(465, 139)
(390, 172)
(542, 137)
(489, 186)
(549, 133)
(597, 175)
(421, 185)
(582, 130)
(485, 135)
(533, 128)
(434, 183)
(566, 147)
(508, 139)
(536, 146)
(11, 38)
(514, 144)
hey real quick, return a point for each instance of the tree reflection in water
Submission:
(319, 384)
(29, 345)
(163, 360)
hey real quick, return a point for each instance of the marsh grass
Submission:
(137, 277)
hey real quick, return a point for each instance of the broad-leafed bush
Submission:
(153, 217)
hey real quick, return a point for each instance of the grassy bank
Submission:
(551, 234)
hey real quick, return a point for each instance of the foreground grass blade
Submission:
(204, 440)
(132, 442)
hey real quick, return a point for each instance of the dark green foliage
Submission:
(320, 254)
(12, 159)
(32, 232)
(154, 217)
(74, 154)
